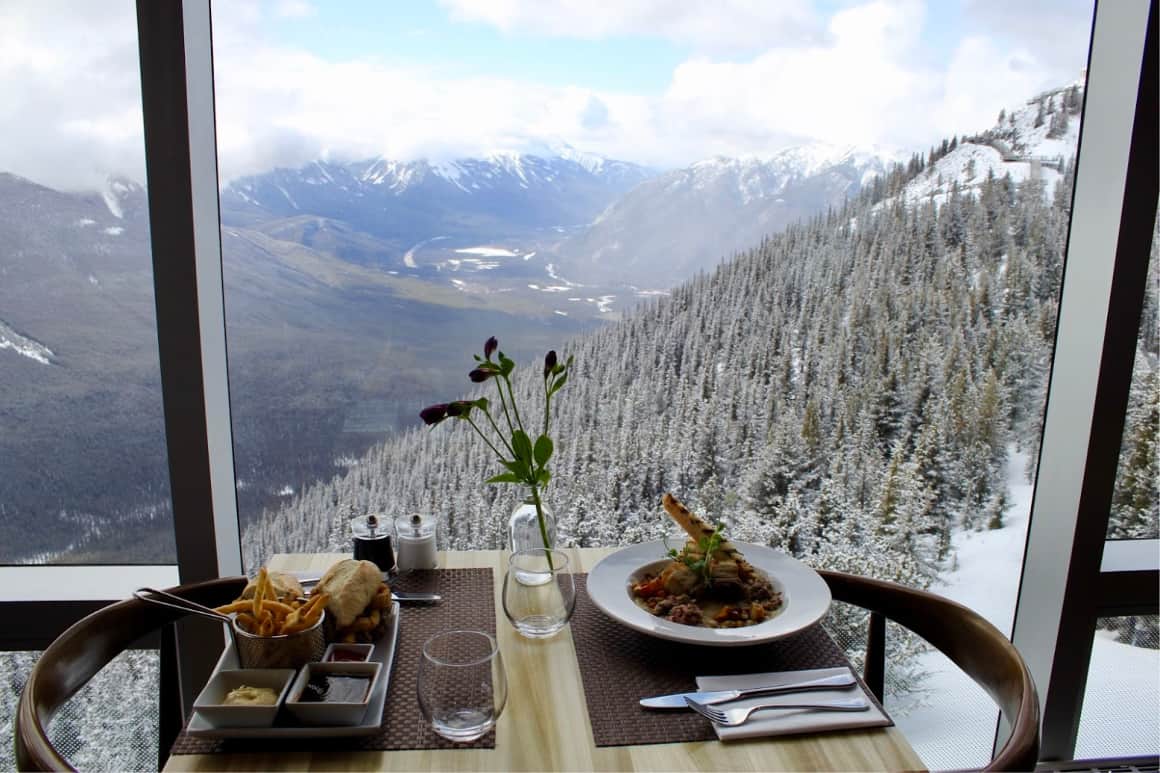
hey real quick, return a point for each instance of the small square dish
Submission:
(342, 652)
(244, 697)
(332, 693)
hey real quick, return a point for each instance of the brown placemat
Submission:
(468, 602)
(619, 666)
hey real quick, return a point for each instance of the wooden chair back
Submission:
(79, 653)
(972, 643)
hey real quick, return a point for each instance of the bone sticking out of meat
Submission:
(697, 529)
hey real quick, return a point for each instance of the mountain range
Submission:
(352, 289)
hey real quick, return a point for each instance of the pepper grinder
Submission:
(416, 536)
(372, 542)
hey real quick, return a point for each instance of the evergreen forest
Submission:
(849, 391)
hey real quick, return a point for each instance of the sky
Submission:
(664, 83)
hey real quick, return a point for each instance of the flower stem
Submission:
(495, 426)
(506, 415)
(547, 402)
(512, 397)
(543, 526)
(484, 437)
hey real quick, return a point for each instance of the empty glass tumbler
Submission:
(462, 685)
(539, 592)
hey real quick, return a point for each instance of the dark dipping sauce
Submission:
(336, 688)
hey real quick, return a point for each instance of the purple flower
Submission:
(489, 347)
(479, 375)
(460, 408)
(549, 363)
(433, 414)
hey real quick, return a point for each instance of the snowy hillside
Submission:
(1031, 141)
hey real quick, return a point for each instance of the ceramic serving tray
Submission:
(285, 726)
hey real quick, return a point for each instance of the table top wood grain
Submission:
(545, 724)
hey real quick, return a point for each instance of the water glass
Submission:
(539, 592)
(462, 685)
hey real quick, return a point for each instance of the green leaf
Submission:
(522, 445)
(543, 450)
(477, 358)
(504, 477)
(506, 365)
(518, 467)
(558, 384)
(543, 476)
(482, 404)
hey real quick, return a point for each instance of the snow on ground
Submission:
(950, 721)
(33, 350)
(488, 252)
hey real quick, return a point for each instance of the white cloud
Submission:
(981, 79)
(857, 88)
(70, 93)
(724, 25)
(295, 9)
(70, 98)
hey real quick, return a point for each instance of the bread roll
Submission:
(286, 586)
(351, 585)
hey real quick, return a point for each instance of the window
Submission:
(339, 431)
(1135, 503)
(865, 390)
(83, 473)
(1120, 702)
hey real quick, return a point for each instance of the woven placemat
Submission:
(619, 666)
(468, 603)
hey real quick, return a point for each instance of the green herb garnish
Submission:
(706, 546)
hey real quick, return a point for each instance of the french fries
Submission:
(264, 615)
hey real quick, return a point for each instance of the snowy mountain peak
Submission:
(547, 163)
(760, 177)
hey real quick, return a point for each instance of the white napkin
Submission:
(767, 723)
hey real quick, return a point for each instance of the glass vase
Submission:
(539, 609)
(524, 534)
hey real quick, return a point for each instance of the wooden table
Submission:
(530, 736)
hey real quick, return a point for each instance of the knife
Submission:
(677, 701)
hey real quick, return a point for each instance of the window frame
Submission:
(1105, 275)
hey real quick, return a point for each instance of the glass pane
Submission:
(1121, 702)
(1135, 512)
(837, 349)
(110, 724)
(83, 471)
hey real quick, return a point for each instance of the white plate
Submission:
(285, 726)
(805, 594)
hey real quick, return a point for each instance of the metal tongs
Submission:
(185, 605)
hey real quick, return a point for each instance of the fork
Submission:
(731, 717)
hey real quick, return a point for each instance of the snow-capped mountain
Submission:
(414, 200)
(669, 227)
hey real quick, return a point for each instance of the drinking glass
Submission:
(539, 592)
(462, 685)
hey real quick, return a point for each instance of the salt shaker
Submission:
(372, 541)
(416, 542)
